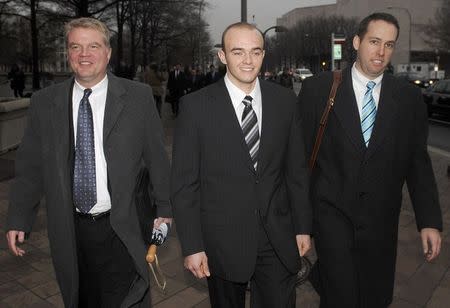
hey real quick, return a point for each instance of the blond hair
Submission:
(88, 23)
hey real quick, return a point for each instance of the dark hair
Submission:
(242, 25)
(364, 24)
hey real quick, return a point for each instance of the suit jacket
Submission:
(357, 191)
(209, 78)
(132, 136)
(219, 199)
(177, 85)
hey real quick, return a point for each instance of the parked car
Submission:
(416, 79)
(301, 74)
(437, 98)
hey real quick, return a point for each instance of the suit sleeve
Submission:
(297, 177)
(185, 182)
(307, 108)
(420, 179)
(27, 188)
(156, 160)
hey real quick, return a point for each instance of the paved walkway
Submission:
(30, 281)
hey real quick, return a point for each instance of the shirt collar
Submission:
(362, 80)
(237, 95)
(99, 86)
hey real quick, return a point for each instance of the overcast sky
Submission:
(222, 13)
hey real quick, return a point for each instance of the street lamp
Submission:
(410, 25)
(278, 29)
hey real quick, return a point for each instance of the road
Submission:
(439, 134)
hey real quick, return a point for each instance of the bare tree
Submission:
(438, 30)
(309, 42)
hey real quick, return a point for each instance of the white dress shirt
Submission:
(237, 96)
(360, 87)
(97, 100)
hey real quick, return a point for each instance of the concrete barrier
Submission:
(13, 118)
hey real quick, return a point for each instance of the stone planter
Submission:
(13, 118)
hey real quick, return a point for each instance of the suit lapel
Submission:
(346, 109)
(387, 109)
(269, 112)
(114, 105)
(232, 127)
(61, 121)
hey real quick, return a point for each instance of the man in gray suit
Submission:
(83, 148)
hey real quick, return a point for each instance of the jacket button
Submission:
(257, 181)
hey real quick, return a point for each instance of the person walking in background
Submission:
(176, 86)
(239, 184)
(374, 142)
(17, 80)
(286, 79)
(195, 81)
(84, 145)
(212, 76)
(154, 78)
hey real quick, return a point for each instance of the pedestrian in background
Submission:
(82, 150)
(17, 80)
(212, 76)
(374, 142)
(155, 78)
(177, 87)
(286, 79)
(239, 182)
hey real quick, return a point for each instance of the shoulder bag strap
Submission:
(337, 78)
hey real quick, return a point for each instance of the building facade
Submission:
(413, 16)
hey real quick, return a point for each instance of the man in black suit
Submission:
(177, 85)
(239, 182)
(375, 140)
(85, 142)
(212, 76)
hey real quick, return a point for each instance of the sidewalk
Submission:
(30, 281)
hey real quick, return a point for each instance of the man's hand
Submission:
(431, 243)
(13, 236)
(197, 264)
(303, 243)
(158, 221)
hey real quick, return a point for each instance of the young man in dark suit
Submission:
(84, 145)
(177, 85)
(239, 181)
(375, 141)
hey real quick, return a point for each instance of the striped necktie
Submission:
(84, 180)
(368, 113)
(250, 129)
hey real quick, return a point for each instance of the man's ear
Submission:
(356, 42)
(222, 57)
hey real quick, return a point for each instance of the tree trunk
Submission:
(34, 44)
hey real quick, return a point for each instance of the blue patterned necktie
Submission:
(368, 114)
(250, 129)
(84, 181)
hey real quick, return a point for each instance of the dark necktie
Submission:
(250, 129)
(84, 183)
(369, 112)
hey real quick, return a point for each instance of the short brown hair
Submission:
(88, 23)
(386, 17)
(242, 25)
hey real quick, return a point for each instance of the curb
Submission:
(439, 151)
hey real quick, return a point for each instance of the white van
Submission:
(301, 74)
